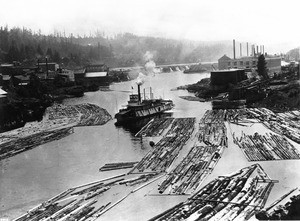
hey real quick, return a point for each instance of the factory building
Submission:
(249, 63)
(93, 76)
(273, 63)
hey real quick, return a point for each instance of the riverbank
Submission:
(57, 123)
(272, 95)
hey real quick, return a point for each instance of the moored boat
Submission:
(138, 108)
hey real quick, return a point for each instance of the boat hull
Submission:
(134, 115)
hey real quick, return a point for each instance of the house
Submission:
(67, 74)
(51, 66)
(22, 80)
(96, 68)
(93, 76)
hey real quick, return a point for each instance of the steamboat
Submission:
(138, 108)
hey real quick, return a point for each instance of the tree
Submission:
(262, 67)
(39, 51)
(56, 56)
(13, 53)
(49, 53)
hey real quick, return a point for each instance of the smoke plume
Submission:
(149, 63)
(140, 79)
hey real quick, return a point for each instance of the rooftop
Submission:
(224, 57)
(227, 70)
(2, 92)
(96, 74)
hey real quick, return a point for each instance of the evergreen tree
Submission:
(56, 56)
(49, 53)
(13, 53)
(22, 52)
(262, 67)
(39, 51)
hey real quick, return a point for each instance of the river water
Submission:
(34, 176)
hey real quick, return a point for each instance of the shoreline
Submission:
(58, 122)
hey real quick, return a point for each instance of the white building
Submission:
(273, 63)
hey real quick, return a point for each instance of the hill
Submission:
(293, 54)
(27, 46)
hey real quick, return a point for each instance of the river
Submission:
(34, 176)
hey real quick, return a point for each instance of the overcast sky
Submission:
(274, 23)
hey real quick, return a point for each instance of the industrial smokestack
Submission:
(257, 49)
(139, 93)
(151, 94)
(260, 47)
(241, 49)
(247, 50)
(263, 49)
(233, 49)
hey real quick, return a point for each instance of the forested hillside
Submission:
(121, 50)
(293, 54)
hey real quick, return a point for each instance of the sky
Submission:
(273, 23)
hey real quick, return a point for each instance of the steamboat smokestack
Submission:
(233, 49)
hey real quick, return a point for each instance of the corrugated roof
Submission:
(96, 74)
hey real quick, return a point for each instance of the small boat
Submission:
(138, 109)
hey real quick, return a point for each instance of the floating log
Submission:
(269, 146)
(117, 166)
(234, 197)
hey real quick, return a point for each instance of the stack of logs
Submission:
(167, 149)
(155, 127)
(192, 170)
(235, 197)
(266, 147)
